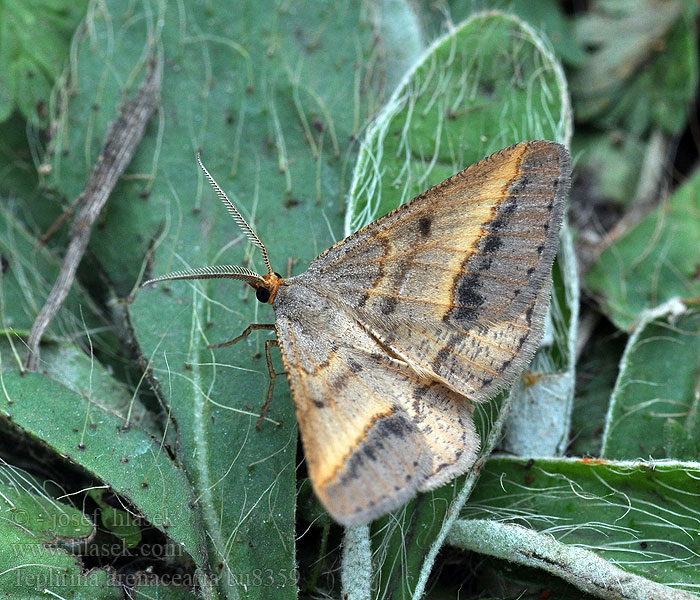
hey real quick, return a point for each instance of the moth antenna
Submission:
(217, 272)
(237, 216)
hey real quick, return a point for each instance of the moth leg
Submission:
(273, 377)
(248, 330)
(270, 367)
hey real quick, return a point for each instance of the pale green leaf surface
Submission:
(162, 591)
(119, 522)
(638, 517)
(401, 38)
(130, 461)
(658, 381)
(34, 44)
(546, 16)
(27, 278)
(37, 535)
(654, 261)
(537, 423)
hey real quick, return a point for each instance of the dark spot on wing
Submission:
(424, 226)
(395, 426)
(353, 465)
(467, 294)
(419, 392)
(519, 186)
(493, 243)
(498, 223)
(340, 382)
(468, 298)
(441, 357)
(388, 305)
(483, 263)
(528, 314)
(354, 366)
(509, 206)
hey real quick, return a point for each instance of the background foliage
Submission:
(130, 464)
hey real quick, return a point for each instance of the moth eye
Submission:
(278, 275)
(262, 294)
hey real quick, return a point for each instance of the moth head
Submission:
(265, 286)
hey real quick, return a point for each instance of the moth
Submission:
(392, 334)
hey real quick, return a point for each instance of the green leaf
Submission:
(596, 371)
(401, 38)
(643, 68)
(488, 84)
(595, 523)
(610, 163)
(546, 16)
(27, 276)
(37, 539)
(72, 367)
(679, 442)
(130, 461)
(153, 590)
(658, 381)
(27, 506)
(119, 522)
(67, 352)
(18, 177)
(654, 261)
(34, 44)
